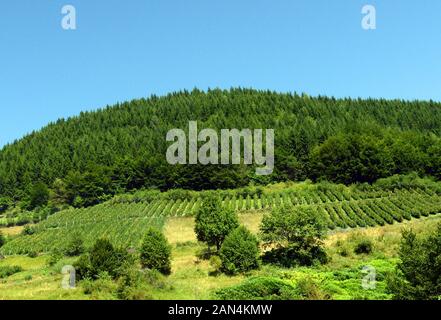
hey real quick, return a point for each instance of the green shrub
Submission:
(308, 289)
(259, 288)
(23, 220)
(215, 264)
(5, 203)
(6, 271)
(32, 254)
(133, 286)
(2, 239)
(156, 252)
(28, 230)
(103, 287)
(75, 247)
(103, 257)
(83, 267)
(54, 257)
(240, 252)
(343, 252)
(418, 275)
(364, 246)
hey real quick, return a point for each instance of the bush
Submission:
(215, 264)
(103, 287)
(364, 246)
(32, 254)
(213, 223)
(133, 286)
(240, 252)
(28, 230)
(295, 236)
(54, 257)
(83, 267)
(2, 239)
(308, 289)
(103, 257)
(259, 288)
(7, 271)
(23, 220)
(5, 203)
(156, 252)
(75, 247)
(418, 275)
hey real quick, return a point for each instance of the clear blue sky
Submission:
(130, 49)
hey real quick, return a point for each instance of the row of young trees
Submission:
(85, 159)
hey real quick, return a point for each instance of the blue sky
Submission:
(129, 49)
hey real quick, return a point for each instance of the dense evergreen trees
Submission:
(85, 159)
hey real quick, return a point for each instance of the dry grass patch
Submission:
(12, 231)
(180, 230)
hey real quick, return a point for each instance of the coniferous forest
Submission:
(86, 159)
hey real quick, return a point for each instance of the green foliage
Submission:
(103, 257)
(351, 158)
(215, 264)
(39, 195)
(5, 203)
(97, 154)
(32, 254)
(363, 246)
(134, 285)
(156, 252)
(418, 275)
(240, 251)
(2, 239)
(28, 230)
(75, 247)
(308, 289)
(387, 201)
(6, 271)
(294, 235)
(103, 287)
(213, 222)
(259, 288)
(54, 257)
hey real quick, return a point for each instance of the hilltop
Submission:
(85, 160)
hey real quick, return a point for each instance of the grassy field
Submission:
(193, 277)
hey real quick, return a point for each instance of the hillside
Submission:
(193, 278)
(124, 219)
(86, 159)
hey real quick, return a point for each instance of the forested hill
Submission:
(84, 159)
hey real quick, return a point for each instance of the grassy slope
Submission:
(191, 279)
(124, 219)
